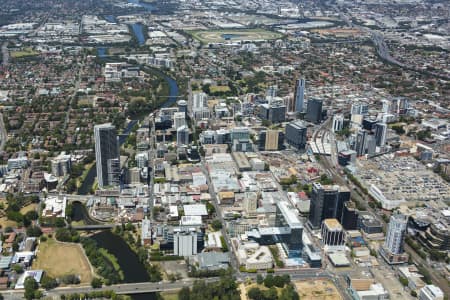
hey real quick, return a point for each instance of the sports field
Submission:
(221, 36)
(58, 259)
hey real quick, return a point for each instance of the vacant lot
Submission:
(58, 259)
(220, 36)
(317, 290)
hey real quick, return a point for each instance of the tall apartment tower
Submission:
(107, 155)
(396, 233)
(392, 249)
(299, 95)
(327, 202)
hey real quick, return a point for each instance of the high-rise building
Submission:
(272, 91)
(199, 100)
(296, 134)
(61, 165)
(349, 218)
(380, 134)
(392, 249)
(240, 139)
(270, 140)
(327, 202)
(360, 108)
(338, 122)
(333, 235)
(365, 143)
(182, 136)
(107, 155)
(287, 217)
(314, 111)
(184, 242)
(274, 112)
(396, 233)
(179, 119)
(299, 95)
(182, 106)
(431, 292)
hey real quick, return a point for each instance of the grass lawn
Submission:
(219, 88)
(58, 259)
(28, 208)
(24, 53)
(220, 36)
(4, 222)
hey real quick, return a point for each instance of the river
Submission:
(133, 270)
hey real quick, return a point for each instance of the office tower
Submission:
(296, 134)
(182, 136)
(380, 134)
(338, 122)
(299, 95)
(270, 140)
(333, 235)
(240, 139)
(431, 292)
(199, 100)
(386, 106)
(179, 119)
(314, 111)
(365, 143)
(274, 112)
(184, 242)
(182, 106)
(223, 136)
(396, 233)
(287, 217)
(349, 219)
(360, 108)
(346, 157)
(369, 123)
(392, 249)
(107, 155)
(326, 202)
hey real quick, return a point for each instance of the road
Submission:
(3, 133)
(5, 54)
(126, 288)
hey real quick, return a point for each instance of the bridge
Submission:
(73, 198)
(94, 227)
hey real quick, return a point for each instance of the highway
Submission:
(383, 50)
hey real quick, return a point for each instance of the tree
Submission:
(18, 268)
(34, 231)
(48, 282)
(289, 293)
(31, 287)
(96, 283)
(32, 215)
(184, 293)
(255, 293)
(269, 281)
(216, 224)
(259, 279)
